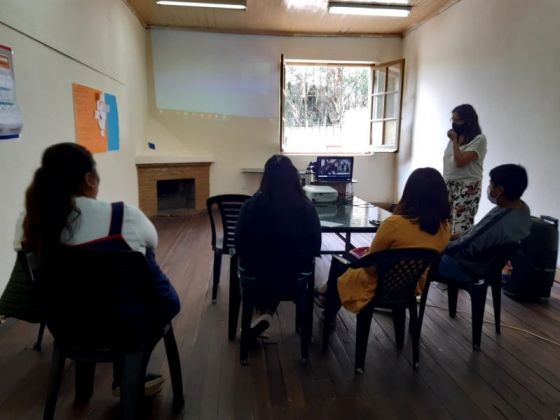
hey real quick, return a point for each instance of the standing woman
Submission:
(463, 167)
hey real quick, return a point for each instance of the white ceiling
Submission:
(283, 17)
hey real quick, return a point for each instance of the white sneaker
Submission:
(260, 325)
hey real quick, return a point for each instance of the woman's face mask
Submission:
(491, 198)
(459, 128)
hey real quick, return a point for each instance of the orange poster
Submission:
(86, 115)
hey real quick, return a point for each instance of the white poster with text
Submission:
(10, 115)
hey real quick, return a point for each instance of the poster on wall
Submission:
(96, 118)
(10, 115)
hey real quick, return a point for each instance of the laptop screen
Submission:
(329, 168)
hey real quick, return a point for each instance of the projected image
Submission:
(214, 75)
(334, 168)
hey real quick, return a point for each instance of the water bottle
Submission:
(309, 174)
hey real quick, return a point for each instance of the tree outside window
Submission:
(340, 108)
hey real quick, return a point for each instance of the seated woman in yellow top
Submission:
(420, 220)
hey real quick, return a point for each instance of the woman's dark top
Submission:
(277, 240)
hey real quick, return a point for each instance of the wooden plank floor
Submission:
(515, 376)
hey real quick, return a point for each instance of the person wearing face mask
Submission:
(462, 167)
(509, 221)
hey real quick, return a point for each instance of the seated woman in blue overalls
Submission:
(61, 208)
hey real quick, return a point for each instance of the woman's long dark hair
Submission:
(425, 200)
(469, 116)
(281, 183)
(49, 199)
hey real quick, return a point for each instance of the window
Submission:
(339, 108)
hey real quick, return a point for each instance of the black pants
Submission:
(333, 304)
(268, 292)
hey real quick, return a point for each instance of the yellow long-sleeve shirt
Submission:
(356, 287)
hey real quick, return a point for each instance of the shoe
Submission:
(260, 325)
(152, 385)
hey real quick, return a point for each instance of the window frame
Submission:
(379, 145)
(375, 144)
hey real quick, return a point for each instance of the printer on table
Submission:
(320, 193)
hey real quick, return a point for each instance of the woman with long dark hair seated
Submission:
(61, 209)
(420, 220)
(278, 235)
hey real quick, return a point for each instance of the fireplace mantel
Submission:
(168, 158)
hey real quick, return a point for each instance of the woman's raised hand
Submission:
(452, 135)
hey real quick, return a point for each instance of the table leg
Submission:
(348, 242)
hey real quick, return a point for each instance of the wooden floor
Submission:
(515, 376)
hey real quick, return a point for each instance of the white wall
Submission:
(236, 141)
(501, 56)
(55, 43)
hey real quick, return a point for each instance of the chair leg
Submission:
(247, 307)
(85, 378)
(304, 312)
(310, 302)
(423, 301)
(39, 342)
(497, 301)
(478, 303)
(234, 298)
(329, 320)
(332, 306)
(298, 319)
(399, 318)
(452, 296)
(216, 274)
(363, 325)
(57, 369)
(132, 384)
(174, 368)
(415, 331)
(37, 345)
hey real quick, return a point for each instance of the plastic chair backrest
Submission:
(229, 206)
(489, 263)
(398, 272)
(97, 300)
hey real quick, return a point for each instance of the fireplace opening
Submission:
(175, 194)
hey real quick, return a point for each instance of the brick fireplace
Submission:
(150, 173)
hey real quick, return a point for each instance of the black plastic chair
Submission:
(477, 289)
(229, 206)
(100, 307)
(398, 272)
(301, 294)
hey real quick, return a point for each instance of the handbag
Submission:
(21, 298)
